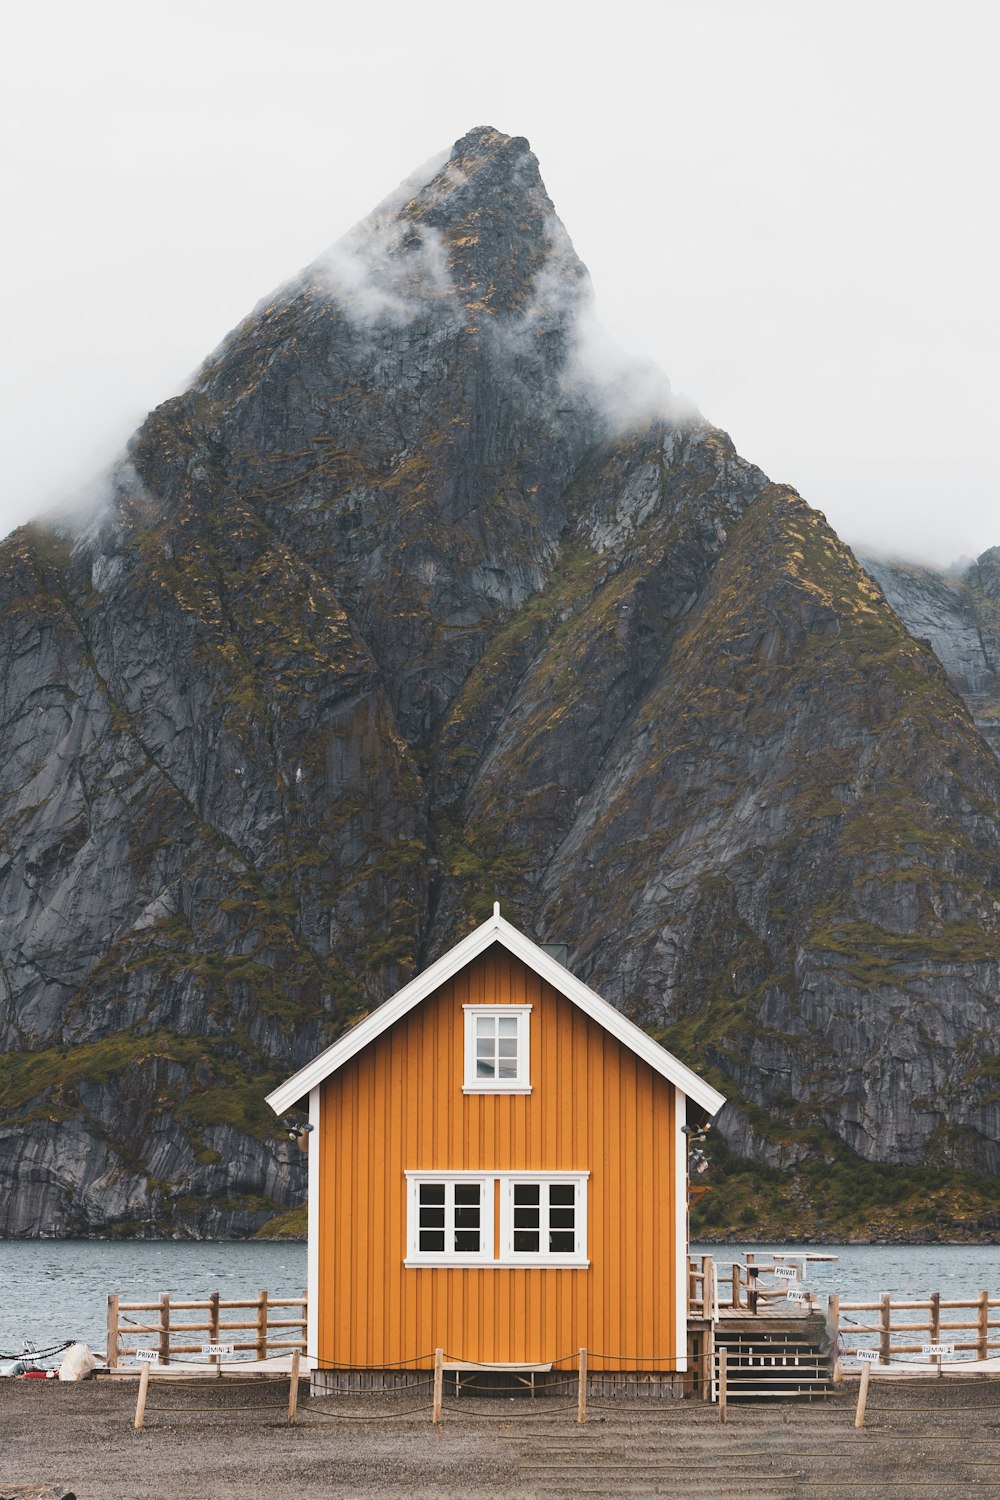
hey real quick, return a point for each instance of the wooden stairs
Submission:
(775, 1358)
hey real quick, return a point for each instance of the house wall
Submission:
(398, 1106)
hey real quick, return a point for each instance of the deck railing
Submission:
(736, 1286)
(264, 1326)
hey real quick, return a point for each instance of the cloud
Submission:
(388, 268)
(623, 391)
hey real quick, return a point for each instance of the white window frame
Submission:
(487, 1235)
(542, 1257)
(522, 1083)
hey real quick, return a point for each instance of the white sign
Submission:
(869, 1354)
(218, 1348)
(795, 1294)
(939, 1349)
(148, 1356)
(787, 1273)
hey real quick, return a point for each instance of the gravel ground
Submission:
(81, 1436)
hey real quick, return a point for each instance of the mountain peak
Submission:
(485, 141)
(476, 225)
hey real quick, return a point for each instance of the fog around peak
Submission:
(798, 230)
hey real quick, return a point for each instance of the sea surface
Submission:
(52, 1290)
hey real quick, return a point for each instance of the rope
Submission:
(224, 1411)
(348, 1416)
(39, 1353)
(879, 1411)
(347, 1390)
(235, 1383)
(653, 1361)
(504, 1416)
(388, 1364)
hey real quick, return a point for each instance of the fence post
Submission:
(936, 1328)
(293, 1388)
(710, 1290)
(262, 1325)
(438, 1383)
(737, 1300)
(164, 1328)
(213, 1327)
(983, 1329)
(581, 1395)
(833, 1320)
(885, 1327)
(112, 1354)
(866, 1375)
(722, 1382)
(140, 1402)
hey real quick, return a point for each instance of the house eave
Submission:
(495, 930)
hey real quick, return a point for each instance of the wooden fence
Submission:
(255, 1320)
(899, 1321)
(736, 1286)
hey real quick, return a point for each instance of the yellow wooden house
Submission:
(497, 1168)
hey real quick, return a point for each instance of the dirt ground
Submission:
(924, 1438)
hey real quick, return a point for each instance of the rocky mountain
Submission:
(423, 595)
(958, 612)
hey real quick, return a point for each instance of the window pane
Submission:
(526, 1241)
(432, 1239)
(467, 1218)
(562, 1192)
(562, 1218)
(467, 1192)
(467, 1242)
(484, 1068)
(526, 1218)
(508, 1025)
(526, 1192)
(561, 1243)
(507, 1046)
(485, 1047)
(484, 1026)
(432, 1192)
(507, 1070)
(432, 1218)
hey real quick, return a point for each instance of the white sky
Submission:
(792, 207)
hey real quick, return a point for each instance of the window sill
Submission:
(543, 1263)
(496, 1088)
(457, 1262)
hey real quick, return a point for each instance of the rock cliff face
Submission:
(958, 612)
(421, 596)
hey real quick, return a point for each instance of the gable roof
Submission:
(495, 930)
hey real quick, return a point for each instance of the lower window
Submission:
(450, 1219)
(543, 1219)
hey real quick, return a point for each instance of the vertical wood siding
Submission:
(398, 1106)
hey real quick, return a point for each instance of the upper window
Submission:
(496, 1049)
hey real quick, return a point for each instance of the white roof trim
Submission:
(495, 930)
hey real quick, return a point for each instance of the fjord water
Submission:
(51, 1290)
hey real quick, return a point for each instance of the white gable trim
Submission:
(495, 930)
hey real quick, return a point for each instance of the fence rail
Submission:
(736, 1286)
(271, 1328)
(898, 1321)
